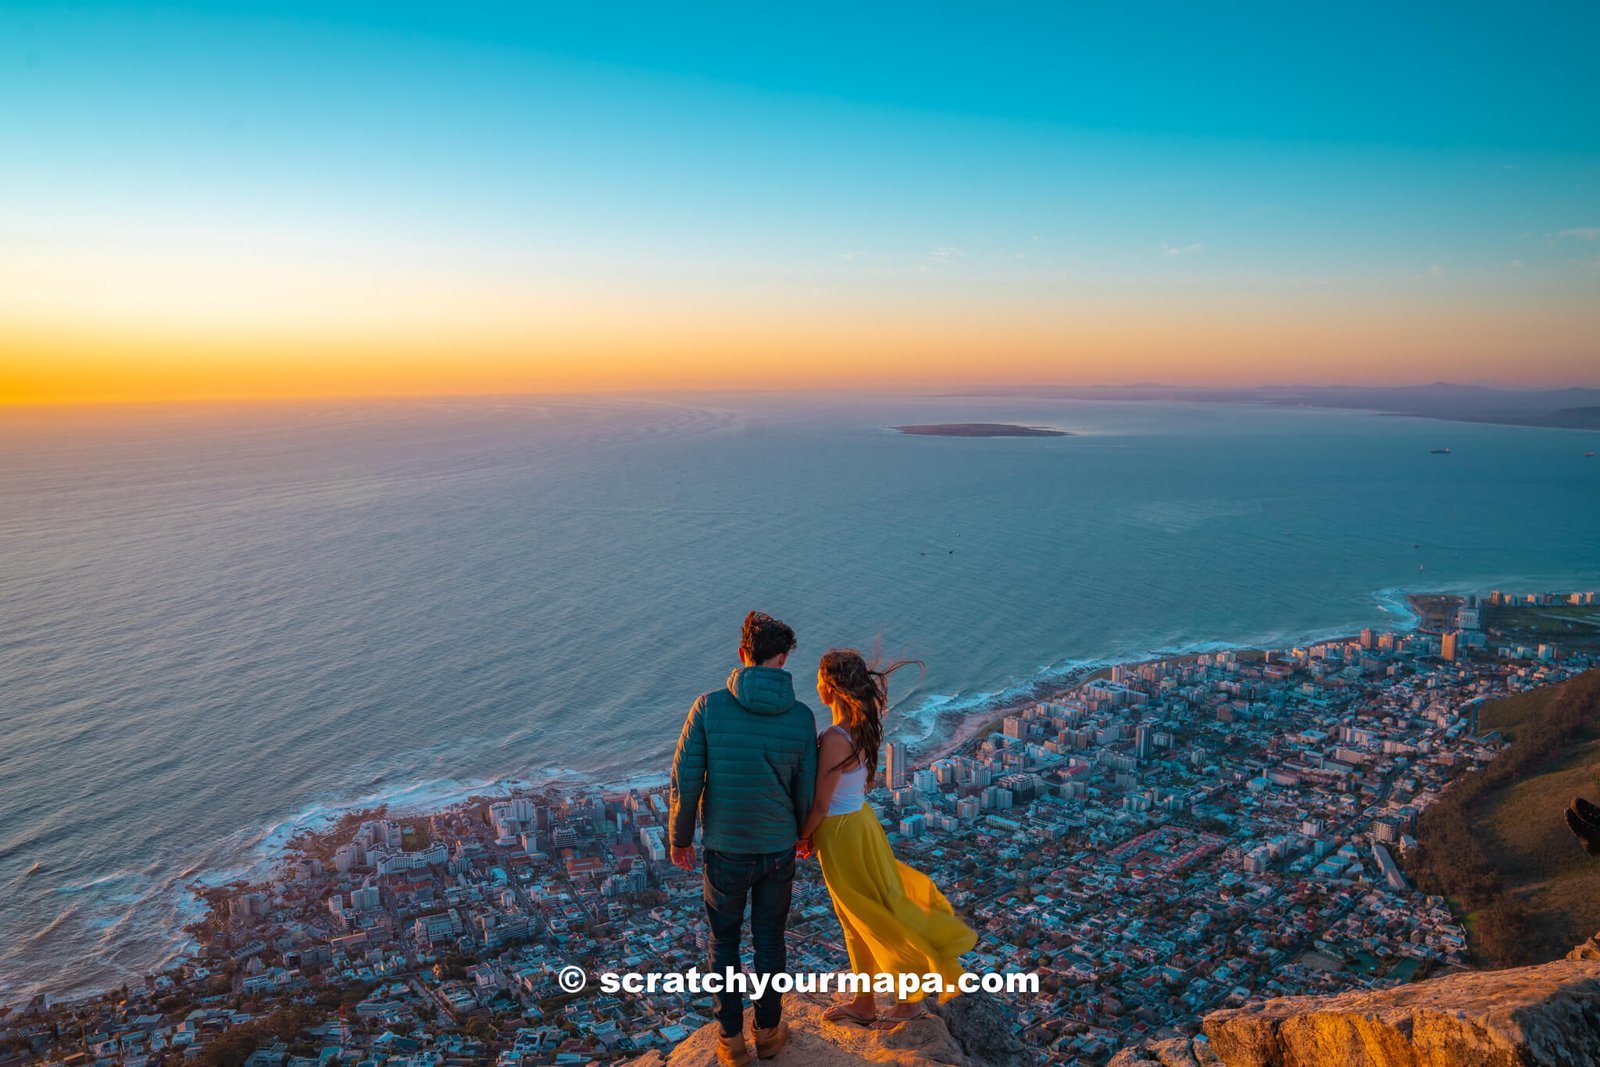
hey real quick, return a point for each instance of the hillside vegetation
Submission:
(1495, 842)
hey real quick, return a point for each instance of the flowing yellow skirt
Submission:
(895, 919)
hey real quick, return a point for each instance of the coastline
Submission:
(953, 729)
(948, 730)
(969, 721)
(972, 722)
(967, 726)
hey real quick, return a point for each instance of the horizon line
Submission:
(271, 399)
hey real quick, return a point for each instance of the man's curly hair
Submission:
(764, 637)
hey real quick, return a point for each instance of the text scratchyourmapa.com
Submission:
(573, 979)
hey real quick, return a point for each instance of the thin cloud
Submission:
(866, 257)
(1174, 251)
(1582, 233)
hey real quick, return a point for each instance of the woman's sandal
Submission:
(843, 1012)
(895, 1022)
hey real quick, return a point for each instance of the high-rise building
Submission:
(249, 906)
(996, 798)
(1142, 742)
(503, 815)
(1367, 639)
(1449, 646)
(895, 756)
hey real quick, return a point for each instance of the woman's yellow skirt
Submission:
(895, 919)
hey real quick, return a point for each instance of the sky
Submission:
(286, 199)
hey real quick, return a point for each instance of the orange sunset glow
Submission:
(417, 210)
(325, 343)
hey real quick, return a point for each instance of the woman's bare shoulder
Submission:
(833, 740)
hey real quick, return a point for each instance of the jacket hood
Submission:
(763, 690)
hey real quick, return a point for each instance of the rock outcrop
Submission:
(982, 1026)
(1589, 950)
(1168, 1052)
(978, 1034)
(1543, 1015)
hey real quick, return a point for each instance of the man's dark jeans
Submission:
(767, 881)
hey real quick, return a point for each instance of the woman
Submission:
(895, 919)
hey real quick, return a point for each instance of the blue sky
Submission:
(977, 166)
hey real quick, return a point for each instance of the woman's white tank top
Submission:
(851, 792)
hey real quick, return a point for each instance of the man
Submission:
(746, 766)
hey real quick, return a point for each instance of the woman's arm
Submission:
(832, 750)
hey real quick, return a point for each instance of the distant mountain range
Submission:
(1573, 408)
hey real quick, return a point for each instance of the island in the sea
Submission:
(979, 429)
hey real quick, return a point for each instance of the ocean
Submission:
(221, 624)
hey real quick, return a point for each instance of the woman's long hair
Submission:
(860, 692)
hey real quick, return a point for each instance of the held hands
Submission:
(683, 857)
(803, 849)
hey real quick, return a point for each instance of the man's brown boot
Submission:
(770, 1041)
(732, 1051)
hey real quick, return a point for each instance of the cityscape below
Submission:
(1154, 840)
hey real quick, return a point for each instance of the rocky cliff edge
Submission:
(973, 1030)
(1542, 1016)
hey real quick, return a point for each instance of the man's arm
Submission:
(831, 751)
(803, 788)
(688, 782)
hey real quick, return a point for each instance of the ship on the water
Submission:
(1439, 451)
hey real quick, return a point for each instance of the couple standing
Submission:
(767, 789)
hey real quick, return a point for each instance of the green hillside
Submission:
(1495, 842)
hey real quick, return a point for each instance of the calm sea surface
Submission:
(218, 625)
